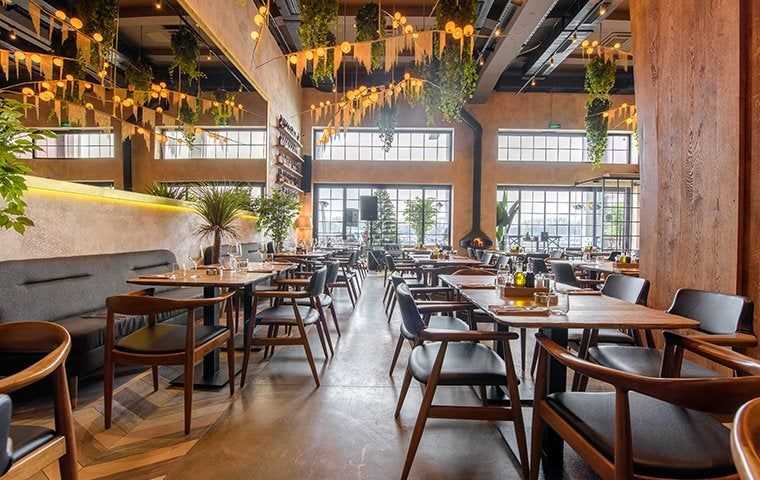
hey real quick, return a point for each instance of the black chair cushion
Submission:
(606, 335)
(438, 322)
(26, 439)
(643, 361)
(324, 299)
(284, 315)
(668, 441)
(164, 338)
(465, 363)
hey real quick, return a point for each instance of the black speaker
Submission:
(306, 181)
(352, 217)
(368, 207)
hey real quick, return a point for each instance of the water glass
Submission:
(175, 270)
(563, 304)
(242, 265)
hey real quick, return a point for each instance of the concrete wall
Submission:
(502, 110)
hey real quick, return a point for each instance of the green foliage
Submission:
(139, 75)
(222, 112)
(452, 82)
(15, 140)
(186, 52)
(421, 214)
(317, 17)
(461, 12)
(368, 28)
(275, 214)
(189, 116)
(386, 122)
(99, 16)
(505, 215)
(600, 79)
(218, 209)
(167, 190)
(384, 229)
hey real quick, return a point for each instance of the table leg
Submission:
(208, 375)
(247, 317)
(556, 377)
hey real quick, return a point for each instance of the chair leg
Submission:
(335, 318)
(387, 291)
(404, 390)
(322, 338)
(534, 362)
(399, 344)
(419, 428)
(74, 391)
(189, 380)
(535, 444)
(231, 362)
(309, 356)
(108, 377)
(350, 294)
(154, 371)
(323, 319)
(247, 338)
(393, 307)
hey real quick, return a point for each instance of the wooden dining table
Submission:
(209, 375)
(604, 267)
(586, 312)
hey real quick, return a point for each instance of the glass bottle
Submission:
(520, 277)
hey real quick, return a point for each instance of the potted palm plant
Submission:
(504, 217)
(219, 208)
(275, 214)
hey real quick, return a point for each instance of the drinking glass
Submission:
(563, 304)
(174, 272)
(196, 256)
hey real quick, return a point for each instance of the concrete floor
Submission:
(282, 427)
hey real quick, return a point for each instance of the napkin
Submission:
(519, 311)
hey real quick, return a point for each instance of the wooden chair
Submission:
(454, 358)
(391, 267)
(27, 450)
(724, 320)
(288, 315)
(564, 273)
(163, 343)
(326, 300)
(745, 440)
(649, 427)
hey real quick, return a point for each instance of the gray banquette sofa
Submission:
(72, 291)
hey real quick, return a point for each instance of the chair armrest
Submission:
(293, 282)
(436, 335)
(436, 307)
(731, 340)
(302, 274)
(282, 294)
(423, 290)
(711, 351)
(145, 292)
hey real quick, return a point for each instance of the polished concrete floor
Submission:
(282, 427)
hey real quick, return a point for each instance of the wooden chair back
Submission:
(745, 440)
(717, 313)
(627, 288)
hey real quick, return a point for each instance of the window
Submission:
(336, 210)
(562, 146)
(606, 216)
(256, 189)
(239, 143)
(76, 143)
(418, 145)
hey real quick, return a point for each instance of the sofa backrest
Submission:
(55, 288)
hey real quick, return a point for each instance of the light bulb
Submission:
(345, 47)
(449, 27)
(158, 5)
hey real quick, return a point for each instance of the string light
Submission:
(602, 10)
(533, 83)
(158, 5)
(76, 23)
(13, 34)
(97, 37)
(497, 32)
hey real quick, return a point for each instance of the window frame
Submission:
(61, 133)
(631, 159)
(160, 150)
(376, 186)
(449, 132)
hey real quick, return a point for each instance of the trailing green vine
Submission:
(139, 75)
(98, 16)
(600, 79)
(189, 117)
(453, 76)
(317, 16)
(386, 122)
(221, 111)
(368, 21)
(186, 52)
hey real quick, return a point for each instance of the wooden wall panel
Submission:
(687, 67)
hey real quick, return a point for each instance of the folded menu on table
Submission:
(532, 311)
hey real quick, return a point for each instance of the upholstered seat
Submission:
(465, 364)
(438, 322)
(642, 360)
(164, 339)
(26, 439)
(283, 315)
(606, 335)
(668, 441)
(324, 299)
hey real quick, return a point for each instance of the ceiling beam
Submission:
(516, 34)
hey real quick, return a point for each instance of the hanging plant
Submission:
(139, 75)
(369, 25)
(454, 75)
(600, 79)
(317, 17)
(386, 122)
(222, 111)
(98, 16)
(189, 117)
(186, 52)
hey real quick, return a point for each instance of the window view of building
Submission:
(337, 214)
(562, 147)
(222, 143)
(73, 143)
(411, 145)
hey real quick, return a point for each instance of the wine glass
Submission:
(196, 256)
